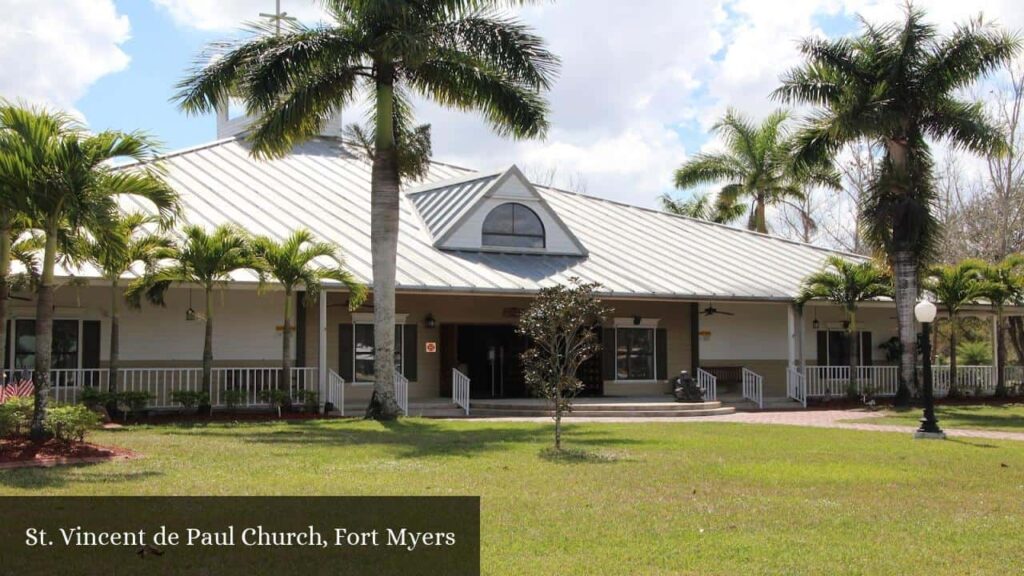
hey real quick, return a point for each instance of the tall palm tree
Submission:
(896, 86)
(1002, 284)
(292, 262)
(24, 134)
(956, 286)
(72, 188)
(459, 53)
(702, 207)
(141, 242)
(847, 284)
(756, 167)
(204, 258)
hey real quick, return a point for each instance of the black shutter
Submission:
(822, 348)
(300, 328)
(660, 354)
(410, 347)
(866, 350)
(608, 354)
(90, 344)
(345, 351)
(7, 345)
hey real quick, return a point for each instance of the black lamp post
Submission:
(925, 314)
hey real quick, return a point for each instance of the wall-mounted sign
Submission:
(430, 347)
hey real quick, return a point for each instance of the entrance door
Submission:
(490, 356)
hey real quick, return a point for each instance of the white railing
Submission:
(336, 391)
(402, 392)
(796, 387)
(460, 390)
(826, 380)
(878, 380)
(971, 380)
(1014, 376)
(753, 387)
(161, 383)
(708, 384)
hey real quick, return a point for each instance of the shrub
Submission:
(276, 398)
(974, 354)
(93, 398)
(190, 399)
(233, 398)
(68, 424)
(134, 401)
(15, 415)
(310, 399)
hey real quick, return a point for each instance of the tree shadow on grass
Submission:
(63, 476)
(413, 437)
(974, 443)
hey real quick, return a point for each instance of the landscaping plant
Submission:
(561, 325)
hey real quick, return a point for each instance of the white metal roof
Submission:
(632, 251)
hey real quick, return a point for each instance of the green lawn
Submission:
(1007, 417)
(661, 498)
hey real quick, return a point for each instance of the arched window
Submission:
(513, 225)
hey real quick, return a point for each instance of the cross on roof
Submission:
(277, 16)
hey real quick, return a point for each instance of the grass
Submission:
(658, 498)
(1004, 417)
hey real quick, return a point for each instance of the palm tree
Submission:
(458, 53)
(702, 207)
(1002, 284)
(71, 188)
(895, 86)
(847, 284)
(203, 258)
(141, 242)
(955, 286)
(292, 262)
(756, 167)
(23, 133)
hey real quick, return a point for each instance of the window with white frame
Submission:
(635, 348)
(75, 344)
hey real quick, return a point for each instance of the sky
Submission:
(640, 85)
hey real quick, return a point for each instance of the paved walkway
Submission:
(811, 418)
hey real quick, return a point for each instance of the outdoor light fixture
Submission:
(925, 314)
(429, 321)
(637, 320)
(190, 314)
(815, 324)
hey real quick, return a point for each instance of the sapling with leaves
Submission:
(560, 324)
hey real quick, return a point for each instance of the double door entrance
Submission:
(490, 355)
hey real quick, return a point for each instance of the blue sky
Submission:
(638, 91)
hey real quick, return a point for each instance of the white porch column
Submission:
(321, 354)
(800, 335)
(792, 333)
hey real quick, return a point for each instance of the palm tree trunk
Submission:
(905, 272)
(1000, 355)
(760, 224)
(384, 213)
(208, 350)
(115, 335)
(851, 334)
(286, 343)
(5, 289)
(44, 335)
(953, 382)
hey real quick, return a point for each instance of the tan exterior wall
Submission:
(674, 317)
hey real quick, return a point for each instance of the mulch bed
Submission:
(23, 453)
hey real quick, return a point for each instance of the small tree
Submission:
(847, 284)
(1003, 284)
(560, 325)
(956, 286)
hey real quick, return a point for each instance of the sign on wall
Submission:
(430, 347)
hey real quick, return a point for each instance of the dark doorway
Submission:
(490, 356)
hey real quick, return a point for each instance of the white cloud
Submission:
(228, 15)
(51, 51)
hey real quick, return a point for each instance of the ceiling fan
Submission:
(711, 311)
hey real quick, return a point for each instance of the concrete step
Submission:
(476, 405)
(537, 413)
